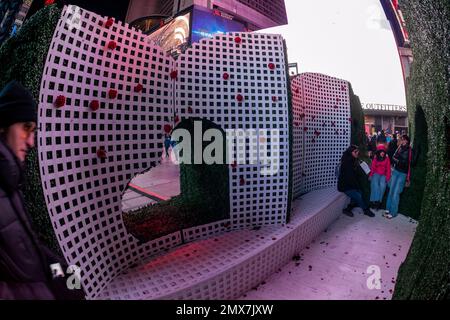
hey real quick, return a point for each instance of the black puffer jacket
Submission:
(24, 263)
(401, 159)
(348, 179)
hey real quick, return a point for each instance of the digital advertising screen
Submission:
(206, 24)
(174, 36)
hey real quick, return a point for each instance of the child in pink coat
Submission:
(380, 175)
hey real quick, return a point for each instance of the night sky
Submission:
(112, 8)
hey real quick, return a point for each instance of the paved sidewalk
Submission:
(159, 184)
(335, 265)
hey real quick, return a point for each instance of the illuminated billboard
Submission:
(208, 23)
(174, 35)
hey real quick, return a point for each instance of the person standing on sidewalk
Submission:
(379, 176)
(348, 181)
(400, 176)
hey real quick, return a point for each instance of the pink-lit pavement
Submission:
(161, 182)
(335, 266)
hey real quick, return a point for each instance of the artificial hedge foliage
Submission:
(291, 137)
(412, 196)
(425, 274)
(204, 197)
(358, 137)
(23, 59)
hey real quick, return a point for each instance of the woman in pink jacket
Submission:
(380, 175)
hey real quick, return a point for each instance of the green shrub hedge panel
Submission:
(23, 59)
(411, 198)
(358, 137)
(425, 274)
(291, 136)
(204, 198)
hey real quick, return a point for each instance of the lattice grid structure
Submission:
(322, 129)
(105, 97)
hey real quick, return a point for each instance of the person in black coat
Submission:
(400, 176)
(393, 145)
(25, 264)
(348, 181)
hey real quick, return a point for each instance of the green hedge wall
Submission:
(291, 136)
(425, 274)
(358, 137)
(23, 59)
(414, 194)
(204, 198)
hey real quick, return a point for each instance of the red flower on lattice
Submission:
(190, 110)
(112, 94)
(274, 99)
(60, 101)
(109, 23)
(174, 75)
(112, 45)
(94, 105)
(167, 128)
(138, 88)
(239, 97)
(101, 153)
(271, 66)
(226, 76)
(238, 40)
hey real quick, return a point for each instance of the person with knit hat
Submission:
(25, 263)
(379, 176)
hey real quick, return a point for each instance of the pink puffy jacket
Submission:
(381, 167)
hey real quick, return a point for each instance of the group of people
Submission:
(387, 139)
(386, 171)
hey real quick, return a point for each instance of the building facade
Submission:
(390, 118)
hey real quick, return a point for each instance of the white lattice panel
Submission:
(322, 130)
(83, 190)
(255, 66)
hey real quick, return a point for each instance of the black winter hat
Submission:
(16, 105)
